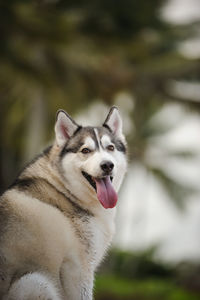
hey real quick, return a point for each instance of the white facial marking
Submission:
(105, 141)
(89, 143)
(97, 136)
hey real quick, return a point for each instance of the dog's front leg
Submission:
(87, 290)
(77, 283)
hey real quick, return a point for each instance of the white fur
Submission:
(97, 136)
(89, 143)
(105, 141)
(33, 286)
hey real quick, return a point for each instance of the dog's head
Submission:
(92, 159)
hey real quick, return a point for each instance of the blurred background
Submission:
(144, 57)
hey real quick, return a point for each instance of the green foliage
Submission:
(139, 275)
(135, 265)
(112, 287)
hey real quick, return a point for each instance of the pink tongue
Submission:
(105, 192)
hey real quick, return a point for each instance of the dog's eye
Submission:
(110, 147)
(85, 150)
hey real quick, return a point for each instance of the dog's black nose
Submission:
(107, 166)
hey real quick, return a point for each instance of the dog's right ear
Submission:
(64, 128)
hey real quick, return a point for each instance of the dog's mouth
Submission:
(92, 181)
(104, 189)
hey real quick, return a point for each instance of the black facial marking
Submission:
(107, 127)
(74, 144)
(105, 130)
(77, 140)
(72, 149)
(119, 146)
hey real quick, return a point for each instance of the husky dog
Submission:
(57, 219)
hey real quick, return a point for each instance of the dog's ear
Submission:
(113, 121)
(64, 128)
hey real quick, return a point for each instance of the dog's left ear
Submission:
(64, 128)
(114, 121)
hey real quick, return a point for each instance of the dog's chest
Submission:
(94, 237)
